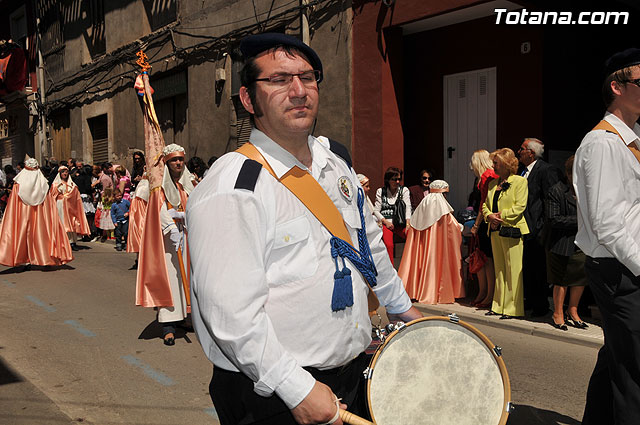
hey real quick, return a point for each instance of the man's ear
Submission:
(246, 100)
(616, 87)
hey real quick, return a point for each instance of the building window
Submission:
(51, 30)
(160, 12)
(97, 43)
(98, 127)
(18, 27)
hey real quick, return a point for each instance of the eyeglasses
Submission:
(523, 149)
(635, 82)
(396, 179)
(307, 78)
(426, 179)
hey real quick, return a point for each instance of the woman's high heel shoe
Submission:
(575, 323)
(562, 327)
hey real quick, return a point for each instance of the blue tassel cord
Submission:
(363, 260)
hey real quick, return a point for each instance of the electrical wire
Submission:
(124, 55)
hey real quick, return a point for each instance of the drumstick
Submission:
(350, 418)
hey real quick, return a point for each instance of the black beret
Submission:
(255, 44)
(622, 60)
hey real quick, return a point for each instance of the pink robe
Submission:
(73, 218)
(431, 263)
(33, 234)
(137, 216)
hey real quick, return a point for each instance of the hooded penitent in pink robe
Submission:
(431, 261)
(31, 231)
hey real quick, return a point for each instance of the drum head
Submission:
(436, 372)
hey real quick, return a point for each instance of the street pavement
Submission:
(74, 349)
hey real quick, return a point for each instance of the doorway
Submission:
(469, 125)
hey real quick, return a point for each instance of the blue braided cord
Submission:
(362, 258)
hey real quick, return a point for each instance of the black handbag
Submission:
(510, 232)
(399, 217)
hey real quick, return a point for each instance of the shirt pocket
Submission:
(293, 256)
(351, 216)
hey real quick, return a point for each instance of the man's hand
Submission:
(318, 407)
(175, 214)
(176, 238)
(409, 315)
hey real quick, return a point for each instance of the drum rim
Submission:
(501, 365)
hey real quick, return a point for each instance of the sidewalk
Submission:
(537, 326)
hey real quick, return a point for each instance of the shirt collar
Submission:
(628, 135)
(281, 160)
(530, 166)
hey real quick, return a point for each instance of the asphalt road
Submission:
(74, 349)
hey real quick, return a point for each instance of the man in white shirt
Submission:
(606, 178)
(263, 272)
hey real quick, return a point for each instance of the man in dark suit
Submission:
(417, 192)
(541, 176)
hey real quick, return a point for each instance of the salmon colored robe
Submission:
(68, 200)
(137, 216)
(33, 234)
(431, 262)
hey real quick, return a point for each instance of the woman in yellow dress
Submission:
(504, 209)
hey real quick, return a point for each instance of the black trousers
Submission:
(534, 274)
(613, 396)
(237, 404)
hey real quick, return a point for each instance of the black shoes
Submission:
(74, 247)
(575, 323)
(491, 313)
(169, 333)
(562, 327)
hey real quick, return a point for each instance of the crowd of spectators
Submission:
(101, 186)
(520, 226)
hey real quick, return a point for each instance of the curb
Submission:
(594, 338)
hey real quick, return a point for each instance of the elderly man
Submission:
(606, 178)
(541, 176)
(283, 319)
(167, 293)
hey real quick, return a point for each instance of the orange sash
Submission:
(302, 184)
(308, 191)
(604, 125)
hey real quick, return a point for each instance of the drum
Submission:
(438, 371)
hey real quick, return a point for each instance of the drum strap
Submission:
(302, 184)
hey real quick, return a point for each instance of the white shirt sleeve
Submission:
(406, 197)
(604, 207)
(378, 205)
(231, 291)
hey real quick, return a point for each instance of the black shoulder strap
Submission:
(339, 149)
(248, 175)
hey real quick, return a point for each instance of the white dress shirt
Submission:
(606, 178)
(262, 273)
(528, 169)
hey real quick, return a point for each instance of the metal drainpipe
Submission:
(304, 22)
(42, 133)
